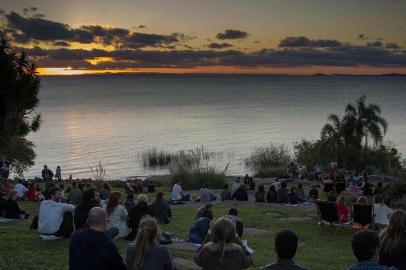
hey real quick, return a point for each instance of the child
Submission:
(342, 209)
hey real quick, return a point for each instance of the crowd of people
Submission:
(93, 218)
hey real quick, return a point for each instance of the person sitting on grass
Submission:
(21, 190)
(240, 194)
(75, 194)
(117, 214)
(206, 195)
(365, 245)
(146, 253)
(260, 194)
(177, 193)
(55, 218)
(283, 193)
(200, 211)
(342, 207)
(134, 217)
(161, 209)
(200, 228)
(313, 194)
(393, 241)
(251, 183)
(105, 192)
(222, 253)
(285, 247)
(92, 248)
(129, 202)
(225, 194)
(239, 226)
(32, 194)
(12, 209)
(381, 212)
(301, 196)
(292, 195)
(88, 201)
(272, 195)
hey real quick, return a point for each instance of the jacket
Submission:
(134, 218)
(162, 211)
(81, 213)
(91, 249)
(208, 258)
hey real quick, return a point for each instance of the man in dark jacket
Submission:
(240, 194)
(91, 248)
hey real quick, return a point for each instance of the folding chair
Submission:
(327, 213)
(362, 214)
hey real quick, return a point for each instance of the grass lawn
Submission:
(21, 248)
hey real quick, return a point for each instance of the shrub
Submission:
(394, 193)
(156, 158)
(269, 161)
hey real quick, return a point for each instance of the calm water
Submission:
(113, 119)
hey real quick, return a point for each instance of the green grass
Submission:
(21, 248)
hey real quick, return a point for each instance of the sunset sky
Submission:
(174, 36)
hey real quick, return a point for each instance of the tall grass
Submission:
(155, 158)
(99, 173)
(269, 161)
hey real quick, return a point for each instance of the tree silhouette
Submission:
(19, 89)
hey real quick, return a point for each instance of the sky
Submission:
(223, 36)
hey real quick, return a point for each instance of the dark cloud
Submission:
(105, 35)
(61, 43)
(305, 42)
(223, 45)
(232, 34)
(139, 40)
(142, 26)
(392, 45)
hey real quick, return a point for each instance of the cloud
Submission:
(214, 45)
(232, 34)
(139, 40)
(305, 42)
(61, 43)
(376, 43)
(142, 26)
(392, 45)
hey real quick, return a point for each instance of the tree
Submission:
(332, 137)
(19, 89)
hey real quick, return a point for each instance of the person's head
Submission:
(284, 184)
(45, 167)
(341, 200)
(293, 189)
(130, 197)
(97, 219)
(89, 195)
(142, 198)
(286, 244)
(20, 181)
(378, 199)
(365, 245)
(362, 199)
(13, 196)
(225, 186)
(223, 232)
(233, 212)
(205, 185)
(56, 194)
(58, 167)
(159, 196)
(392, 234)
(261, 188)
(114, 200)
(106, 186)
(207, 213)
(148, 232)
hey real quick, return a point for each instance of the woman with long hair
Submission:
(393, 241)
(146, 253)
(117, 214)
(136, 214)
(222, 252)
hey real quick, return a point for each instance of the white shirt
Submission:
(277, 185)
(20, 189)
(118, 219)
(177, 192)
(51, 216)
(382, 213)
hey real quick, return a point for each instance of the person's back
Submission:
(206, 195)
(240, 194)
(74, 196)
(177, 192)
(225, 194)
(161, 209)
(91, 248)
(136, 214)
(283, 194)
(272, 195)
(81, 213)
(158, 258)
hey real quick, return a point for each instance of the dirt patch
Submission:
(185, 264)
(297, 219)
(181, 245)
(255, 231)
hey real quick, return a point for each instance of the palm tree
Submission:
(364, 122)
(332, 135)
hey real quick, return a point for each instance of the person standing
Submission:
(47, 176)
(92, 248)
(58, 173)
